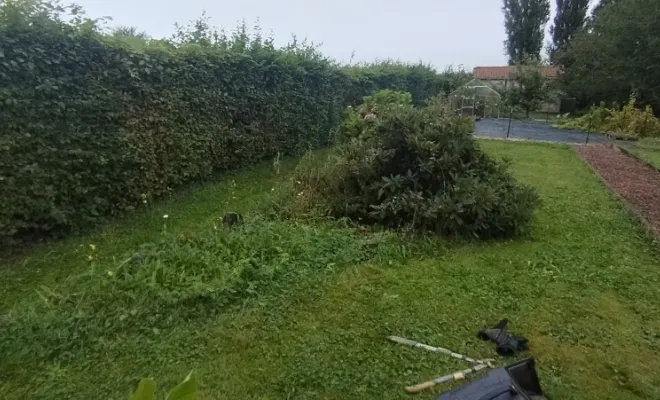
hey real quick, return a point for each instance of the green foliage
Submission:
(524, 22)
(599, 7)
(45, 14)
(614, 55)
(420, 80)
(129, 36)
(162, 284)
(186, 390)
(95, 125)
(90, 129)
(635, 121)
(146, 390)
(361, 121)
(530, 89)
(570, 17)
(594, 120)
(629, 120)
(647, 149)
(418, 168)
(314, 339)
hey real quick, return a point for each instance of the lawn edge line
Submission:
(634, 156)
(518, 140)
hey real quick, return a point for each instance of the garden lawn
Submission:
(583, 287)
(647, 150)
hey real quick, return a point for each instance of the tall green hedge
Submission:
(90, 128)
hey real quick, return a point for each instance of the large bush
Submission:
(417, 168)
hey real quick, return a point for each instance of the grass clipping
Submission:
(418, 168)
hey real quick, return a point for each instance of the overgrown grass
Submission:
(583, 287)
(196, 207)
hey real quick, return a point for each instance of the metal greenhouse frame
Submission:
(476, 98)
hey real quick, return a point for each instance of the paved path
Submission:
(533, 130)
(636, 182)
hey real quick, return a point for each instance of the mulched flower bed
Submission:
(636, 182)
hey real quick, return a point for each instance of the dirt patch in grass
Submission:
(637, 183)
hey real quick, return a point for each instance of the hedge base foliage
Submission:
(417, 168)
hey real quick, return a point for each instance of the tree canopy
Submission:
(616, 54)
(570, 17)
(530, 88)
(524, 22)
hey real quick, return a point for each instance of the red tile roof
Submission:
(504, 73)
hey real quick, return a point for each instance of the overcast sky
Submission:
(439, 32)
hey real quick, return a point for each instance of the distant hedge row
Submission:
(421, 81)
(89, 129)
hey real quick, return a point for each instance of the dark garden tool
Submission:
(518, 381)
(507, 344)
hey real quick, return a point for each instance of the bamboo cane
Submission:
(456, 376)
(442, 350)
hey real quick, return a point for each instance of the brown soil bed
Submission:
(636, 182)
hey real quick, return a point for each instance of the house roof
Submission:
(505, 73)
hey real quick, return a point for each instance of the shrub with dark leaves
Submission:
(418, 168)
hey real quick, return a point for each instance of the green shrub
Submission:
(413, 167)
(635, 121)
(420, 80)
(360, 121)
(629, 120)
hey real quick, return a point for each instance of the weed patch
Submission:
(178, 279)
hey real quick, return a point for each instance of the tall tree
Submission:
(524, 22)
(530, 88)
(599, 6)
(570, 17)
(618, 54)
